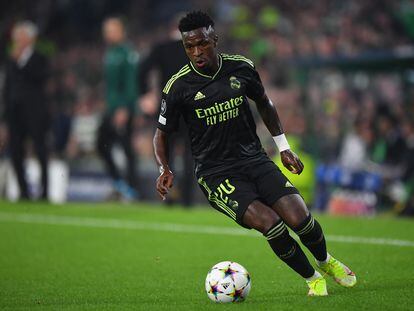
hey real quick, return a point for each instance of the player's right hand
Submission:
(164, 183)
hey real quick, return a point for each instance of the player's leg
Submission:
(263, 219)
(236, 197)
(277, 191)
(292, 209)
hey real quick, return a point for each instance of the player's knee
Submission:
(269, 221)
(298, 219)
(260, 217)
(293, 210)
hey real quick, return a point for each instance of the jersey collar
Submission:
(207, 76)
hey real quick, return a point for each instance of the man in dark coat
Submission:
(26, 110)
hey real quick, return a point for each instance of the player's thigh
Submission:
(292, 209)
(260, 216)
(271, 183)
(230, 193)
(277, 191)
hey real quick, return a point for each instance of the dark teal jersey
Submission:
(120, 69)
(217, 113)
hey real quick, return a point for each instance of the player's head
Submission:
(199, 39)
(24, 34)
(113, 30)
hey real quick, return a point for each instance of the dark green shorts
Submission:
(231, 192)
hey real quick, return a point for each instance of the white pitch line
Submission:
(173, 227)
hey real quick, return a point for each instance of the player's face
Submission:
(200, 45)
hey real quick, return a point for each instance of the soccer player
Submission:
(233, 171)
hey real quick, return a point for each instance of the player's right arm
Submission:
(167, 123)
(165, 180)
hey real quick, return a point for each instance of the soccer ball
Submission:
(228, 281)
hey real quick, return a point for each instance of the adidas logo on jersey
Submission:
(288, 184)
(199, 95)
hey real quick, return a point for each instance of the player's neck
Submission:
(213, 68)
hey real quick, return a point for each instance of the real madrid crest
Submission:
(234, 83)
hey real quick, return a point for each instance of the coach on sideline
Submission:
(26, 110)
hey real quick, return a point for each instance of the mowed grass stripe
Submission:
(174, 227)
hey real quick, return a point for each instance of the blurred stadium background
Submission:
(341, 73)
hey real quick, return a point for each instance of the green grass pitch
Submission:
(147, 257)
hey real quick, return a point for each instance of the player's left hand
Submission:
(291, 161)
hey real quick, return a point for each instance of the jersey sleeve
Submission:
(169, 113)
(254, 89)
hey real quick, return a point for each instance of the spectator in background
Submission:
(167, 58)
(26, 108)
(83, 130)
(120, 70)
(354, 153)
(389, 147)
(408, 176)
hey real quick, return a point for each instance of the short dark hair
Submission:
(194, 20)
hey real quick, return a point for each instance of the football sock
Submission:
(311, 235)
(316, 275)
(287, 249)
(324, 262)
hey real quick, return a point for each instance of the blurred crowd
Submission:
(361, 117)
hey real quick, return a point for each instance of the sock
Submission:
(311, 235)
(313, 277)
(320, 263)
(287, 249)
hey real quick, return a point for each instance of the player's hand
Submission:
(120, 118)
(291, 161)
(164, 183)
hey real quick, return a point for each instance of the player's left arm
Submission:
(271, 119)
(255, 91)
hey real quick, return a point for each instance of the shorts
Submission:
(231, 192)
